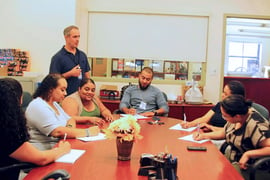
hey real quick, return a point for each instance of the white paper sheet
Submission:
(179, 127)
(190, 138)
(100, 136)
(137, 116)
(71, 157)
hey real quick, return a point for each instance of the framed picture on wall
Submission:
(157, 65)
(181, 67)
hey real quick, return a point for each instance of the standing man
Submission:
(71, 62)
(144, 99)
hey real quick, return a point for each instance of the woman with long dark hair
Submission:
(13, 131)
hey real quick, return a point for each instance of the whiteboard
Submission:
(147, 36)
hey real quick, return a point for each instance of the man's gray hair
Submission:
(68, 29)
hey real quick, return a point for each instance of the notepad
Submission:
(179, 127)
(190, 138)
(137, 116)
(71, 157)
(100, 136)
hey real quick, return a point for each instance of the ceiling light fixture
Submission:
(259, 31)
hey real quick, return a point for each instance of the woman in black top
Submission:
(213, 119)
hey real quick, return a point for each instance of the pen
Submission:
(65, 137)
(198, 129)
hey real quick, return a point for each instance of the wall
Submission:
(212, 8)
(39, 28)
(36, 26)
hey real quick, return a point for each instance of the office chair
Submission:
(262, 162)
(27, 98)
(261, 109)
(11, 172)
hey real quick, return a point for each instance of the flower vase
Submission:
(124, 149)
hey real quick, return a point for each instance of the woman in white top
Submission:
(46, 120)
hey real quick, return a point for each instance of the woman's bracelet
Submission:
(87, 132)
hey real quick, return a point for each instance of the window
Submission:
(244, 57)
(246, 46)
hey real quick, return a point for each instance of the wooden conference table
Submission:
(100, 159)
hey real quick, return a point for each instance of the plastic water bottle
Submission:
(80, 76)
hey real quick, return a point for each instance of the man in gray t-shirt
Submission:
(144, 99)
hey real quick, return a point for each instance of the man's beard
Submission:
(143, 88)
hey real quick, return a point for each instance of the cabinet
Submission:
(175, 110)
(112, 105)
(191, 111)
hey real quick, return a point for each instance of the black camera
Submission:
(161, 166)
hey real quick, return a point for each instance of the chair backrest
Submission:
(261, 109)
(123, 90)
(27, 98)
(12, 171)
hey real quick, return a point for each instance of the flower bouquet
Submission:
(125, 130)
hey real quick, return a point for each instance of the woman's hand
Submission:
(94, 131)
(97, 121)
(64, 146)
(198, 136)
(243, 161)
(206, 127)
(108, 117)
(186, 125)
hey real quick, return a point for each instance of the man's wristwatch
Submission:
(155, 113)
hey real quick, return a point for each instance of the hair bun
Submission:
(249, 102)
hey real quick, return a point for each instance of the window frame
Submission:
(244, 40)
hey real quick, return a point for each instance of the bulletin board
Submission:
(147, 36)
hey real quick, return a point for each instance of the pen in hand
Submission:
(198, 130)
(185, 118)
(65, 137)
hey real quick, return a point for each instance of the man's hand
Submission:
(131, 111)
(148, 114)
(76, 71)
